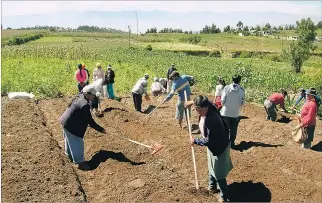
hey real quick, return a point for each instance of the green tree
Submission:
(227, 29)
(301, 50)
(239, 25)
(319, 25)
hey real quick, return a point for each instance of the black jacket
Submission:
(110, 75)
(77, 117)
(170, 70)
(216, 132)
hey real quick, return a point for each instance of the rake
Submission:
(155, 147)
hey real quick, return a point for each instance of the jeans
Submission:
(74, 147)
(233, 125)
(270, 110)
(137, 99)
(94, 104)
(80, 88)
(110, 90)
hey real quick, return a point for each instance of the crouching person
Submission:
(75, 120)
(215, 134)
(271, 103)
(157, 88)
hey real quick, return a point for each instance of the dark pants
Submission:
(233, 125)
(137, 99)
(80, 88)
(95, 103)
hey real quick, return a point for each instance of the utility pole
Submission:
(129, 35)
(137, 29)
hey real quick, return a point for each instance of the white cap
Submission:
(89, 89)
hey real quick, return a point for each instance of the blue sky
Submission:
(188, 15)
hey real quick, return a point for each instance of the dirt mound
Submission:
(268, 165)
(33, 165)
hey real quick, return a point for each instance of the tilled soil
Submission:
(268, 166)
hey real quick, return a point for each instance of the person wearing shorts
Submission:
(180, 85)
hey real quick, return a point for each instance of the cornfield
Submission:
(48, 70)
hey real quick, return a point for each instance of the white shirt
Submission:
(219, 89)
(201, 125)
(156, 86)
(98, 73)
(162, 81)
(141, 87)
(232, 98)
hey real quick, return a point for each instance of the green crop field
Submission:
(46, 66)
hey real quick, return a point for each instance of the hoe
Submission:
(154, 148)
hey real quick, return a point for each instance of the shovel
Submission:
(154, 148)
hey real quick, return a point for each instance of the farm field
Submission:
(268, 165)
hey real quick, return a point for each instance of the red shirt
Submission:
(308, 113)
(277, 98)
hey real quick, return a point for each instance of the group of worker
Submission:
(218, 119)
(308, 113)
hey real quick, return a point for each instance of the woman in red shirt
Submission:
(308, 117)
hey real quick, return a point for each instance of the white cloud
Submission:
(13, 8)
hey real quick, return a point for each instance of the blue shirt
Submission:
(303, 96)
(180, 85)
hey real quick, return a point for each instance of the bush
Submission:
(149, 47)
(216, 54)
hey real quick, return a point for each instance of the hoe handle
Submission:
(192, 149)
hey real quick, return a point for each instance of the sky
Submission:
(187, 15)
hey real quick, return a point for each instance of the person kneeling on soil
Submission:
(271, 103)
(215, 134)
(75, 120)
(156, 88)
(308, 117)
(180, 84)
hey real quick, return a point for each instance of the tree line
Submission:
(82, 28)
(213, 29)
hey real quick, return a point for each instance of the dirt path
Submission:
(268, 167)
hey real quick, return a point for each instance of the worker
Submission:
(81, 77)
(140, 89)
(215, 135)
(232, 99)
(308, 117)
(156, 87)
(74, 121)
(169, 81)
(180, 85)
(110, 75)
(271, 103)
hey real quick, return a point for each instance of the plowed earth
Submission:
(268, 165)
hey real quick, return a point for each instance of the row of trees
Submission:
(82, 28)
(167, 30)
(213, 29)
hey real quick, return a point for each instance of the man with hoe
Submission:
(180, 84)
